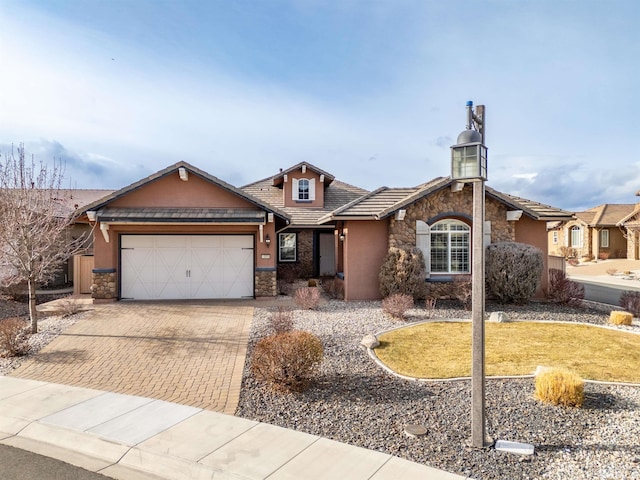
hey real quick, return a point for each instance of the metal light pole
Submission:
(469, 164)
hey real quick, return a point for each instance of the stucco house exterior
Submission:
(183, 233)
(596, 233)
(631, 225)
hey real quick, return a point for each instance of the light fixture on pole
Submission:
(469, 164)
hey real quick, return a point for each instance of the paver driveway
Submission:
(188, 353)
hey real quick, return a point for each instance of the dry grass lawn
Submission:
(443, 350)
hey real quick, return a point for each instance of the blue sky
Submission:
(373, 92)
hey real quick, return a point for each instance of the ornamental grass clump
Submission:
(513, 271)
(620, 318)
(307, 298)
(560, 387)
(287, 361)
(397, 305)
(281, 320)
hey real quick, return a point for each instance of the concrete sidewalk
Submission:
(136, 438)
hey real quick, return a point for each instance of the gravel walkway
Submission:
(354, 401)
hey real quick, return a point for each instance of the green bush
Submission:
(513, 271)
(287, 360)
(403, 271)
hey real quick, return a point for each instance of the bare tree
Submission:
(35, 221)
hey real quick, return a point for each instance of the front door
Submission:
(327, 254)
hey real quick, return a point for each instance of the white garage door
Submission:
(186, 266)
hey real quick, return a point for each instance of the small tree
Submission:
(403, 271)
(513, 271)
(34, 225)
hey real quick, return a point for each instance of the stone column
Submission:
(105, 286)
(266, 283)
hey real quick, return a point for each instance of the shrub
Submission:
(403, 271)
(430, 306)
(281, 320)
(287, 361)
(612, 271)
(312, 282)
(630, 301)
(14, 337)
(563, 290)
(560, 387)
(620, 318)
(568, 252)
(333, 288)
(574, 262)
(603, 255)
(307, 298)
(513, 271)
(463, 290)
(397, 305)
(69, 306)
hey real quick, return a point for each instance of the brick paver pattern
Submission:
(185, 353)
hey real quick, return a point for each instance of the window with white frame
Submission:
(303, 189)
(287, 247)
(576, 236)
(449, 247)
(604, 238)
(554, 236)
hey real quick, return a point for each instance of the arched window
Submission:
(449, 247)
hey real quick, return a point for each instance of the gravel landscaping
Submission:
(354, 401)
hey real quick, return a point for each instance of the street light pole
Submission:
(469, 164)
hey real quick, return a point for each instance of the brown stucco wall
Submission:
(288, 185)
(534, 233)
(170, 191)
(365, 246)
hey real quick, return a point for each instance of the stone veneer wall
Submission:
(402, 233)
(303, 267)
(266, 284)
(104, 284)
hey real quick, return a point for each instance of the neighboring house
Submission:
(183, 233)
(437, 218)
(305, 248)
(631, 225)
(596, 233)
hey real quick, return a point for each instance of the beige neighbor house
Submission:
(631, 225)
(183, 233)
(597, 233)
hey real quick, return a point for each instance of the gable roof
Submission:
(606, 215)
(279, 177)
(385, 201)
(335, 196)
(102, 202)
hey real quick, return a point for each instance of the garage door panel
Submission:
(184, 266)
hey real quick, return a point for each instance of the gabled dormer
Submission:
(303, 185)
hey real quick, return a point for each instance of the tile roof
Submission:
(386, 201)
(179, 215)
(194, 170)
(336, 195)
(328, 178)
(608, 214)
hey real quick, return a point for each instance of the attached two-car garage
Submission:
(155, 267)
